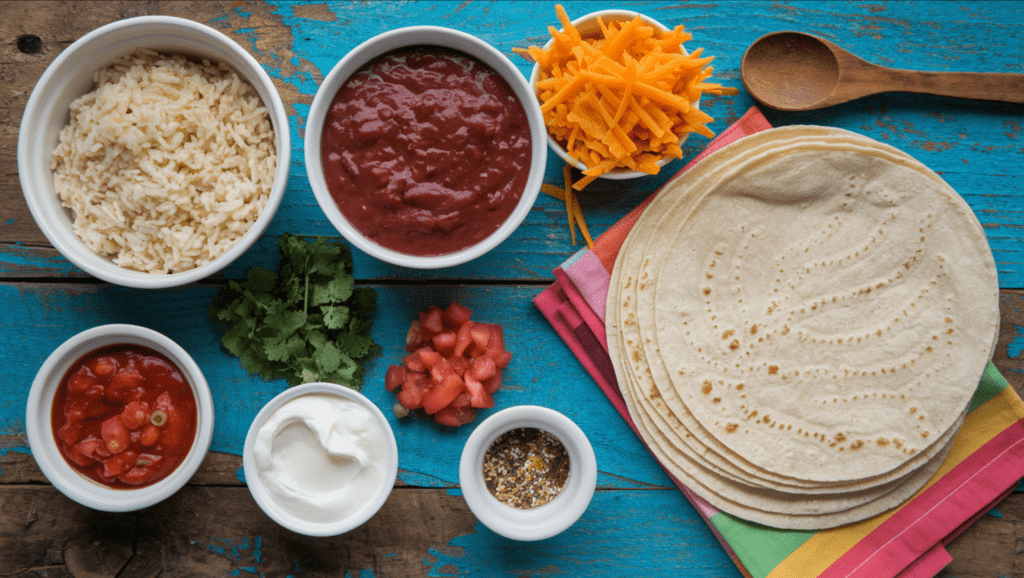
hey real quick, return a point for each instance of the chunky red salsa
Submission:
(124, 416)
(426, 150)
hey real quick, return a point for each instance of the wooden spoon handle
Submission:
(977, 85)
(1001, 87)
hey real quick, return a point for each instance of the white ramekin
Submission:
(548, 519)
(43, 444)
(423, 36)
(588, 26)
(70, 76)
(280, 514)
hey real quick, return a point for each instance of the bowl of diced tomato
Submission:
(119, 417)
(453, 368)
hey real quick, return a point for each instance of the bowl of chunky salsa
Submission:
(119, 417)
(425, 147)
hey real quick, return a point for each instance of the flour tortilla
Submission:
(674, 434)
(632, 251)
(852, 312)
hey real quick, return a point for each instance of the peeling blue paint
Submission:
(1017, 344)
(19, 449)
(620, 532)
(246, 554)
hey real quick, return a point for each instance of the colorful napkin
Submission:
(985, 464)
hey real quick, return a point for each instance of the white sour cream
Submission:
(321, 457)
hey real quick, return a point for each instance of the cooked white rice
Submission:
(166, 163)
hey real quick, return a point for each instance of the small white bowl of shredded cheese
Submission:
(320, 459)
(153, 152)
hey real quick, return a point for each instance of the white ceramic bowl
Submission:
(278, 511)
(423, 36)
(70, 76)
(44, 445)
(587, 26)
(548, 519)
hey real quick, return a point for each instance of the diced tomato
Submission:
(135, 414)
(481, 334)
(455, 416)
(413, 391)
(464, 399)
(501, 359)
(94, 393)
(150, 435)
(454, 366)
(429, 357)
(459, 364)
(125, 385)
(103, 367)
(118, 464)
(443, 393)
(163, 402)
(479, 397)
(412, 362)
(431, 322)
(483, 368)
(81, 381)
(456, 315)
(136, 476)
(463, 338)
(114, 434)
(93, 448)
(493, 384)
(71, 431)
(75, 411)
(444, 343)
(497, 337)
(80, 459)
(441, 370)
(413, 338)
(172, 433)
(146, 466)
(496, 348)
(394, 377)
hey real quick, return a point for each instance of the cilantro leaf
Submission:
(305, 322)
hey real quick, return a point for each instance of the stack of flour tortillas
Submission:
(798, 324)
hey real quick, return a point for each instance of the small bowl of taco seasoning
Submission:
(528, 473)
(425, 147)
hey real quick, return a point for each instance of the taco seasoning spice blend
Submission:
(526, 467)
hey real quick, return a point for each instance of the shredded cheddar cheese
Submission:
(572, 206)
(622, 99)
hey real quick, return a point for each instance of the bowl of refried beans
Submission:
(425, 147)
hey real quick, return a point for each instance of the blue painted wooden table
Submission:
(638, 523)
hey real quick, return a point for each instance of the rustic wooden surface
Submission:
(638, 523)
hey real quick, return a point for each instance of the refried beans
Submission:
(426, 150)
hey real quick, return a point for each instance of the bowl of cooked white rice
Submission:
(153, 152)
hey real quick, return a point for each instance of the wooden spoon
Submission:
(795, 71)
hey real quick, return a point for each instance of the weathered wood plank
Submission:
(974, 145)
(218, 531)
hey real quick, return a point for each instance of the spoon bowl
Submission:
(795, 71)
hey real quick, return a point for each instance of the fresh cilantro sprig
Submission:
(305, 322)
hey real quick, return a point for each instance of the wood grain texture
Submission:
(638, 524)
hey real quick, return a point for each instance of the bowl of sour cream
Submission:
(320, 459)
